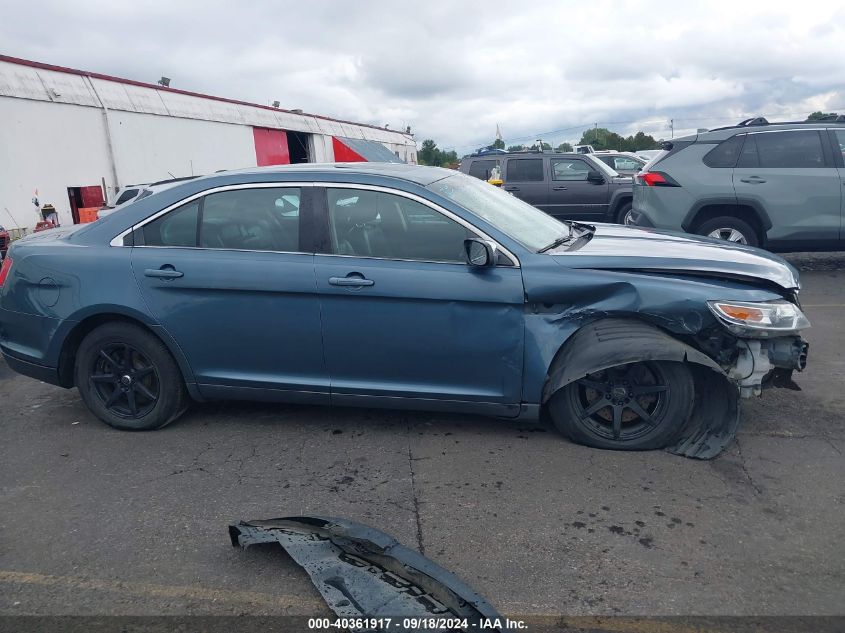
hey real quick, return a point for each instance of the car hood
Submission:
(615, 247)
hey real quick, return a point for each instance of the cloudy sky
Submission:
(453, 70)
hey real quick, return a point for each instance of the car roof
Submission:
(419, 174)
(527, 155)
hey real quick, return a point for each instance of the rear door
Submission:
(571, 195)
(225, 275)
(790, 174)
(837, 139)
(526, 179)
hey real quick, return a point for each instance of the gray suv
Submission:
(775, 185)
(569, 186)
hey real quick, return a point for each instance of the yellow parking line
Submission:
(162, 591)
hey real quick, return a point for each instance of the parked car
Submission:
(647, 154)
(131, 193)
(567, 186)
(5, 239)
(624, 163)
(775, 185)
(404, 287)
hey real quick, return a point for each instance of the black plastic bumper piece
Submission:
(39, 372)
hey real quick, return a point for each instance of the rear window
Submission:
(126, 196)
(481, 168)
(726, 153)
(525, 170)
(801, 149)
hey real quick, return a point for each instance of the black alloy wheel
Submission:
(636, 406)
(125, 380)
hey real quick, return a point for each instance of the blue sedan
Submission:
(401, 287)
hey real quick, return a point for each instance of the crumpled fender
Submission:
(609, 342)
(362, 572)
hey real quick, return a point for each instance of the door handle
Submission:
(165, 272)
(753, 180)
(356, 282)
(511, 188)
(561, 188)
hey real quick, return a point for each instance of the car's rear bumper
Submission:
(638, 218)
(33, 370)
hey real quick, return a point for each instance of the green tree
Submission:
(564, 147)
(499, 144)
(546, 146)
(602, 138)
(815, 116)
(430, 154)
(516, 148)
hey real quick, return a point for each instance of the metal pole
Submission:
(109, 143)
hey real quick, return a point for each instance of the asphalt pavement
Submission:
(97, 521)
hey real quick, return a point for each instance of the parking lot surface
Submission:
(96, 521)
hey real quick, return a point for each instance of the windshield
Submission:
(519, 220)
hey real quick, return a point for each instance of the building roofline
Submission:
(132, 82)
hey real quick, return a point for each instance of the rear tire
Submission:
(623, 216)
(633, 407)
(128, 378)
(730, 229)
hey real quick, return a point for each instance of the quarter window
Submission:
(375, 224)
(839, 145)
(726, 153)
(525, 170)
(126, 196)
(798, 149)
(481, 168)
(569, 169)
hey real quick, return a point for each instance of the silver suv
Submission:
(775, 185)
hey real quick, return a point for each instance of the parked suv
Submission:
(4, 242)
(775, 185)
(571, 186)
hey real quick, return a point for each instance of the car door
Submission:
(837, 139)
(790, 175)
(405, 319)
(572, 195)
(225, 276)
(525, 178)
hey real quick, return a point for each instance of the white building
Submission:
(68, 136)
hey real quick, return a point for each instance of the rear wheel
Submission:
(730, 229)
(638, 406)
(128, 378)
(623, 216)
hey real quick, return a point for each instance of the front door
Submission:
(787, 174)
(405, 319)
(571, 195)
(224, 275)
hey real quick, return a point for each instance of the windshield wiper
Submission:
(558, 242)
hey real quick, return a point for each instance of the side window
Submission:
(251, 219)
(525, 170)
(481, 168)
(569, 169)
(798, 149)
(175, 228)
(726, 153)
(839, 143)
(623, 162)
(376, 224)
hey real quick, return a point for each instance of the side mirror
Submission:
(480, 252)
(595, 177)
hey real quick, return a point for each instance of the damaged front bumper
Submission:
(767, 362)
(366, 575)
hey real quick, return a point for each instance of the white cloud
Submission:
(454, 70)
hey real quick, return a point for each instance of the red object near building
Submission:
(345, 154)
(271, 147)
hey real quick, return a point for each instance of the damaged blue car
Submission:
(402, 287)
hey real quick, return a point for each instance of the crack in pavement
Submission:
(414, 488)
(745, 471)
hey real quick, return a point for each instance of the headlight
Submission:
(767, 318)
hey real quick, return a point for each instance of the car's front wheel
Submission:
(638, 406)
(128, 378)
(730, 229)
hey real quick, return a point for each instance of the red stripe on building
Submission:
(271, 147)
(345, 154)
